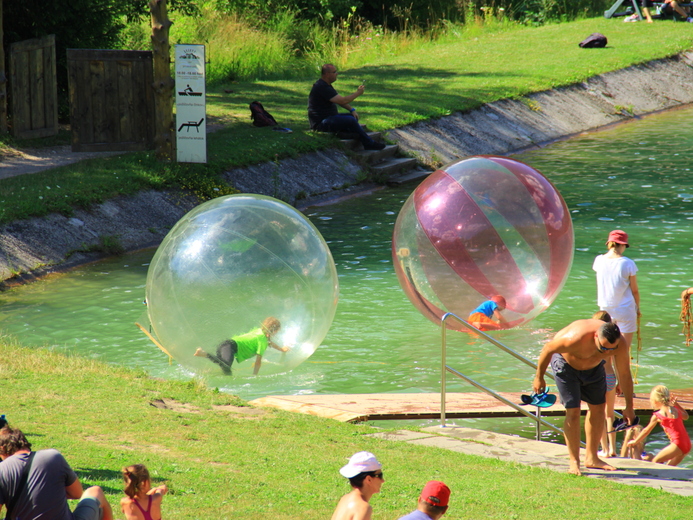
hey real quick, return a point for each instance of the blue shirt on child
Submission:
(487, 308)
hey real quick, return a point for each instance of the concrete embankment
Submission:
(506, 126)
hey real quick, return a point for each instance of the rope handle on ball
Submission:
(686, 317)
(170, 357)
(637, 352)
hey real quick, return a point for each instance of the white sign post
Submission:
(191, 124)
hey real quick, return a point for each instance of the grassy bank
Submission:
(95, 180)
(223, 460)
(463, 69)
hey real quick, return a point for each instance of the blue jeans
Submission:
(344, 123)
(88, 509)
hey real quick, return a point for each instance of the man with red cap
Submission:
(433, 502)
(365, 476)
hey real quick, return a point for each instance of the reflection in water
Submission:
(633, 177)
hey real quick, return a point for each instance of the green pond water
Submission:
(636, 177)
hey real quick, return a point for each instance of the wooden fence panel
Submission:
(111, 100)
(127, 100)
(34, 88)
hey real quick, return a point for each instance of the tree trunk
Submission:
(3, 79)
(163, 81)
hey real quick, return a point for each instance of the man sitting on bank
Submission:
(37, 484)
(323, 114)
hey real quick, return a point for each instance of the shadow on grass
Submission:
(415, 93)
(96, 477)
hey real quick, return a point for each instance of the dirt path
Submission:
(15, 161)
(32, 160)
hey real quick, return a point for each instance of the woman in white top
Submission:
(617, 294)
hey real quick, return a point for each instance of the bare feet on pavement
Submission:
(600, 464)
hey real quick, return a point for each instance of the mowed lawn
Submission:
(225, 461)
(462, 72)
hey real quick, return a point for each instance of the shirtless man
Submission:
(365, 475)
(577, 355)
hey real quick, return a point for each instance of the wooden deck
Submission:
(382, 407)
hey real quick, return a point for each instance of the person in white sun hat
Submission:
(365, 475)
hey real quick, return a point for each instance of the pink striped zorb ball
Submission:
(482, 227)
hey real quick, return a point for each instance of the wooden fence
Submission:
(111, 100)
(33, 88)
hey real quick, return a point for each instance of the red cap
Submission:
(618, 236)
(499, 300)
(435, 493)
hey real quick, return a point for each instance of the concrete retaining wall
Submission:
(511, 125)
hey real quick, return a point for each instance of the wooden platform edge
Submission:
(424, 406)
(309, 409)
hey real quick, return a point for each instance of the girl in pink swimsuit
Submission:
(142, 501)
(670, 415)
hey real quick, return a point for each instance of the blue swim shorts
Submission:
(579, 385)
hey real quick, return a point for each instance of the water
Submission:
(634, 177)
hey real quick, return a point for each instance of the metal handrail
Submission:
(506, 402)
(488, 338)
(445, 368)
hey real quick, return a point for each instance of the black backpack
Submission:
(594, 41)
(260, 116)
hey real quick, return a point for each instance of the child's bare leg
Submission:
(608, 440)
(225, 367)
(676, 7)
(676, 459)
(627, 451)
(648, 15)
(670, 455)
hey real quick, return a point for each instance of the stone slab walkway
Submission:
(544, 455)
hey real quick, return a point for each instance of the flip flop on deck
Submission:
(543, 400)
(620, 424)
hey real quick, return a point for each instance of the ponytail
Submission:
(135, 476)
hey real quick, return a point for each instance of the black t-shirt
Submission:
(319, 104)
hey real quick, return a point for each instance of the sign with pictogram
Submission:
(191, 128)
